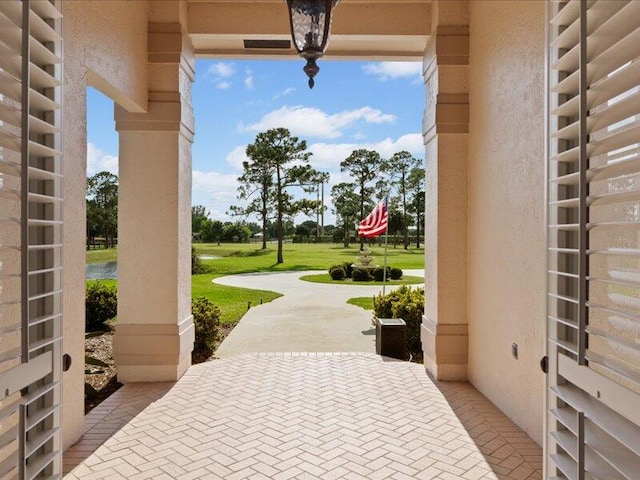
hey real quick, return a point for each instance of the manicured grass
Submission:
(325, 278)
(108, 283)
(245, 258)
(363, 302)
(232, 301)
(102, 255)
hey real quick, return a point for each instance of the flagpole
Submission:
(386, 242)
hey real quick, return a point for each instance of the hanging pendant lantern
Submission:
(310, 24)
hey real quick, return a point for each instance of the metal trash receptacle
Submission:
(391, 337)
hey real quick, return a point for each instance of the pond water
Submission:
(109, 270)
(102, 271)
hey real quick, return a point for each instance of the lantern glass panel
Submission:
(308, 19)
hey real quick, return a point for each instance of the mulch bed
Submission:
(104, 379)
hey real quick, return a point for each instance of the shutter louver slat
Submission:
(570, 179)
(42, 127)
(606, 140)
(610, 422)
(45, 413)
(568, 13)
(45, 9)
(609, 449)
(615, 83)
(564, 321)
(614, 57)
(566, 465)
(595, 464)
(617, 168)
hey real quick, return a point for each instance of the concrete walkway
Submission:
(309, 317)
(302, 416)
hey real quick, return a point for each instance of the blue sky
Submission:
(376, 105)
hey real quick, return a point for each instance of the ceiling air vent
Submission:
(272, 44)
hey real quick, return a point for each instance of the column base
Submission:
(153, 352)
(445, 350)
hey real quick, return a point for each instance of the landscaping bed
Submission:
(105, 381)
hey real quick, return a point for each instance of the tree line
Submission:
(400, 179)
(278, 165)
(279, 162)
(102, 208)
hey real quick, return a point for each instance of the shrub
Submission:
(206, 319)
(101, 304)
(378, 274)
(361, 275)
(197, 266)
(337, 272)
(407, 304)
(395, 274)
(348, 268)
(383, 305)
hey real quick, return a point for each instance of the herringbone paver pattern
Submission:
(326, 416)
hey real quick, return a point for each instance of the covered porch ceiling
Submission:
(361, 29)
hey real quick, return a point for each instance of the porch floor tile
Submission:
(281, 416)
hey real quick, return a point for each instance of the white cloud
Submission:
(236, 157)
(221, 70)
(220, 74)
(312, 122)
(329, 155)
(248, 81)
(284, 93)
(393, 70)
(99, 161)
(216, 191)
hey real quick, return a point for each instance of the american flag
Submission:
(376, 222)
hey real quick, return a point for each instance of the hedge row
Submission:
(347, 270)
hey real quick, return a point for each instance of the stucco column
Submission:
(444, 331)
(154, 335)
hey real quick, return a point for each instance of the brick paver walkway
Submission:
(282, 416)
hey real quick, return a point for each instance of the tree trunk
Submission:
(405, 225)
(280, 229)
(418, 228)
(264, 230)
(361, 213)
(346, 236)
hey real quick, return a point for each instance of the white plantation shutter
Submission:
(594, 240)
(30, 239)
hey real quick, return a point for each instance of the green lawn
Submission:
(363, 302)
(245, 258)
(242, 258)
(232, 301)
(99, 256)
(325, 278)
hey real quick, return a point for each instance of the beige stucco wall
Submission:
(506, 233)
(106, 47)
